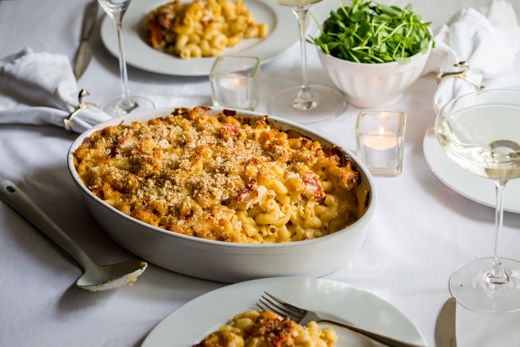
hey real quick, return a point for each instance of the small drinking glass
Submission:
(380, 141)
(127, 102)
(234, 83)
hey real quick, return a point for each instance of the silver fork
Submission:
(302, 316)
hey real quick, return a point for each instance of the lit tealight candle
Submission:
(382, 139)
(233, 90)
(233, 81)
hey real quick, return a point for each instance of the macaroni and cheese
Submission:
(264, 328)
(202, 28)
(222, 177)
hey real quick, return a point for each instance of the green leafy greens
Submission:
(369, 32)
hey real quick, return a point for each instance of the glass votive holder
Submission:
(234, 82)
(380, 141)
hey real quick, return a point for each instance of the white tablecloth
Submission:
(420, 233)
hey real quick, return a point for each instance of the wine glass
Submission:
(305, 103)
(127, 102)
(480, 132)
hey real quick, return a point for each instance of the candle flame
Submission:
(381, 131)
(235, 82)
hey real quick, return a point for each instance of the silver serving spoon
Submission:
(95, 277)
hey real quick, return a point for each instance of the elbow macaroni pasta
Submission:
(202, 28)
(225, 177)
(264, 328)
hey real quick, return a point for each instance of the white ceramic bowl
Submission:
(223, 261)
(373, 85)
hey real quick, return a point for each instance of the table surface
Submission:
(421, 230)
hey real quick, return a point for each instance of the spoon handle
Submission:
(21, 203)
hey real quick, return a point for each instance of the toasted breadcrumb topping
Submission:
(265, 328)
(225, 177)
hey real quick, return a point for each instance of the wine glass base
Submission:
(133, 103)
(470, 287)
(326, 102)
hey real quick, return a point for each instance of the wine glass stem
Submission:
(118, 22)
(301, 14)
(498, 275)
(305, 99)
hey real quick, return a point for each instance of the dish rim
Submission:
(163, 112)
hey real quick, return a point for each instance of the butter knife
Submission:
(84, 52)
(446, 324)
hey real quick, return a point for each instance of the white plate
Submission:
(476, 188)
(189, 324)
(283, 34)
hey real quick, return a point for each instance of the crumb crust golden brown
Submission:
(222, 177)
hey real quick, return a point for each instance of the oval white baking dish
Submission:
(224, 261)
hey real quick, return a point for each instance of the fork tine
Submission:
(285, 310)
(259, 304)
(266, 307)
(295, 308)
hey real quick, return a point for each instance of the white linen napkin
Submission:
(40, 88)
(487, 39)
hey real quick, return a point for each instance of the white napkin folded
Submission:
(40, 88)
(487, 40)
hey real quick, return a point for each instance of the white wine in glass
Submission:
(305, 103)
(481, 133)
(127, 102)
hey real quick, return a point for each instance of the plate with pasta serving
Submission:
(232, 311)
(183, 38)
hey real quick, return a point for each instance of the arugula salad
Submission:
(370, 32)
